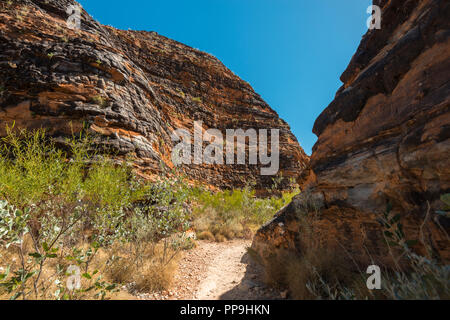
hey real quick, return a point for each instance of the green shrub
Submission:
(234, 213)
(100, 101)
(72, 207)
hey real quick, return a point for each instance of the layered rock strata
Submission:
(383, 140)
(130, 89)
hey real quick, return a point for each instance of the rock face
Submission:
(130, 88)
(384, 138)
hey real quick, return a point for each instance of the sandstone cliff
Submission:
(129, 88)
(383, 139)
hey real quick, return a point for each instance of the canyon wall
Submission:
(383, 140)
(129, 89)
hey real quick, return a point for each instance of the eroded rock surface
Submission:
(384, 138)
(130, 88)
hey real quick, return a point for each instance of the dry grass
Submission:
(210, 226)
(316, 272)
(234, 214)
(312, 271)
(152, 271)
(79, 221)
(206, 235)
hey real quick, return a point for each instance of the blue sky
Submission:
(291, 51)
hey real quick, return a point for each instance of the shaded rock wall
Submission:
(384, 138)
(129, 88)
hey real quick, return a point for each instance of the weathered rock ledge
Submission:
(384, 139)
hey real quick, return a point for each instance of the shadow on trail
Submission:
(252, 286)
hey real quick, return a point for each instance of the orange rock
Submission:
(131, 89)
(384, 138)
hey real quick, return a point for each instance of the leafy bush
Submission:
(234, 213)
(71, 209)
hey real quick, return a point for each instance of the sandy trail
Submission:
(225, 271)
(214, 271)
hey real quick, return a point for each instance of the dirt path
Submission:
(214, 271)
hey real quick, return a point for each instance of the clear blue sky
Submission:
(291, 51)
